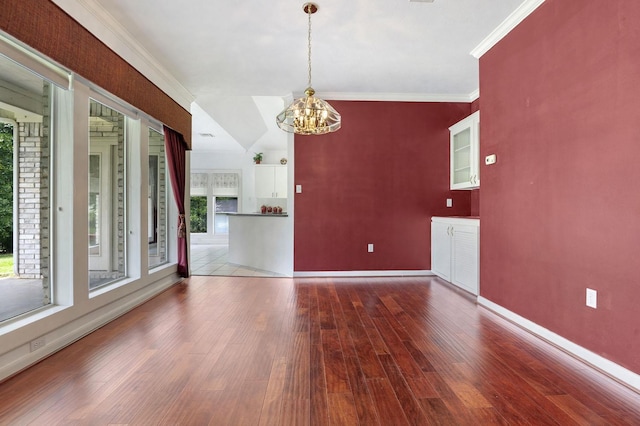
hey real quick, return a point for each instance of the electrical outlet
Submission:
(370, 248)
(37, 344)
(592, 298)
(449, 202)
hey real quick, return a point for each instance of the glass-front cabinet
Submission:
(465, 153)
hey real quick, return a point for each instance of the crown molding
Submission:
(396, 97)
(512, 21)
(97, 20)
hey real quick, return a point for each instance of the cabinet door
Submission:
(465, 154)
(461, 158)
(280, 182)
(441, 250)
(264, 181)
(475, 150)
(465, 258)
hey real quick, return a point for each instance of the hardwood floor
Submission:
(278, 351)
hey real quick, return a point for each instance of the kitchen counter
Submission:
(461, 217)
(262, 244)
(259, 214)
(456, 219)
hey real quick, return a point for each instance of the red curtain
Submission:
(176, 148)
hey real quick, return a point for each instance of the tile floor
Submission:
(211, 259)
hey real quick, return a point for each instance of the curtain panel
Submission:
(176, 148)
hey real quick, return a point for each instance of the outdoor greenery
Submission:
(198, 214)
(6, 265)
(6, 188)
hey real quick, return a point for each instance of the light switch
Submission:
(592, 298)
(298, 189)
(449, 202)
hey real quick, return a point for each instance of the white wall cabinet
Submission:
(271, 181)
(465, 153)
(455, 251)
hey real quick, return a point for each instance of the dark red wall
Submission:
(378, 180)
(560, 211)
(475, 202)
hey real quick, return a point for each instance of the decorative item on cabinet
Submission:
(257, 158)
(272, 210)
(465, 153)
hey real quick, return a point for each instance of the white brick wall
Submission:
(109, 129)
(156, 147)
(32, 222)
(32, 199)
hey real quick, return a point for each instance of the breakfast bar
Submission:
(256, 241)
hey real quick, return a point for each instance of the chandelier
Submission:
(309, 115)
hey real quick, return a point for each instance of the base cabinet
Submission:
(455, 251)
(441, 249)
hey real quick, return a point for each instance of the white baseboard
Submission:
(343, 274)
(596, 361)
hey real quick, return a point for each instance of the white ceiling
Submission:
(240, 61)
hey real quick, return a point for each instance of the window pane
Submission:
(24, 190)
(224, 205)
(107, 195)
(198, 214)
(157, 202)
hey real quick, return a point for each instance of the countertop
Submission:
(258, 214)
(457, 219)
(461, 217)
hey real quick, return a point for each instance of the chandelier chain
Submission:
(309, 45)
